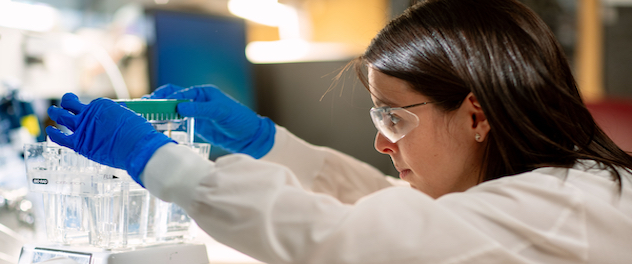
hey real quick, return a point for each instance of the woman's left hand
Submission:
(106, 132)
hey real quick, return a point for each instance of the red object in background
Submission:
(614, 116)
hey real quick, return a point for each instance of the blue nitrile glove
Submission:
(106, 132)
(221, 120)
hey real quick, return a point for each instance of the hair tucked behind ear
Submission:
(509, 59)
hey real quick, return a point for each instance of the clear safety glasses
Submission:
(395, 122)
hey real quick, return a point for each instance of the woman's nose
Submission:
(383, 145)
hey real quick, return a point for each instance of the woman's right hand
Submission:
(221, 120)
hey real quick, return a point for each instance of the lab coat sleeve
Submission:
(324, 170)
(260, 208)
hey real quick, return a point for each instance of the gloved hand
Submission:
(106, 132)
(221, 120)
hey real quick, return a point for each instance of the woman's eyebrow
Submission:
(382, 102)
(378, 103)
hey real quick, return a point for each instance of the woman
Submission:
(476, 105)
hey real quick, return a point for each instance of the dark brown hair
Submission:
(505, 55)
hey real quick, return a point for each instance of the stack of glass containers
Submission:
(90, 204)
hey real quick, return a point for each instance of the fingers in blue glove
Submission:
(63, 117)
(66, 116)
(209, 103)
(164, 91)
(60, 137)
(201, 93)
(71, 103)
(218, 112)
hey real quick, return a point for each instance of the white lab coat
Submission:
(308, 204)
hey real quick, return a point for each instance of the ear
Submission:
(479, 122)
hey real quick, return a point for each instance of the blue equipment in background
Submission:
(190, 49)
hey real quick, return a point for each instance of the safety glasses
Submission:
(395, 122)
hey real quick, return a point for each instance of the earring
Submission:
(477, 137)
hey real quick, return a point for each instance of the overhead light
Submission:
(276, 51)
(296, 50)
(267, 12)
(291, 47)
(30, 17)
